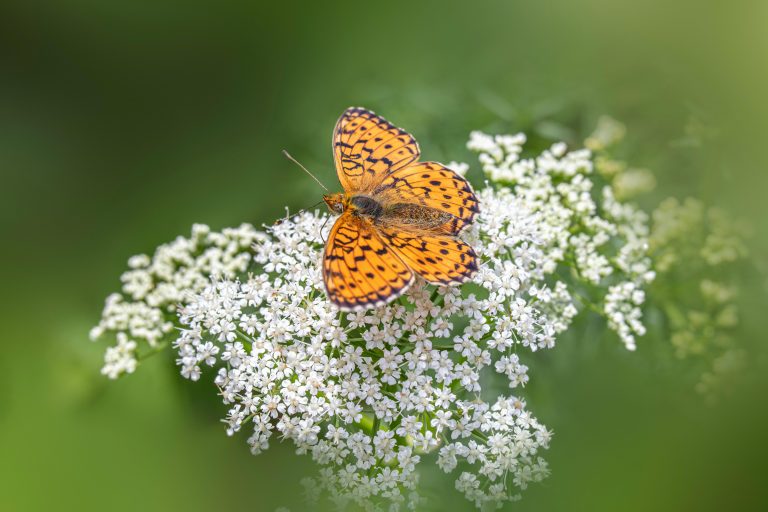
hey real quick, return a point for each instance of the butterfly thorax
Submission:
(360, 205)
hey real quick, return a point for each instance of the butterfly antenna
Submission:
(289, 157)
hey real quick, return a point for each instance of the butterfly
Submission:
(398, 217)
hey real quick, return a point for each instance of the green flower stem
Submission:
(151, 352)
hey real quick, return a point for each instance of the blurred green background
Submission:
(123, 122)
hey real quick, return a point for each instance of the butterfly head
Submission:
(336, 202)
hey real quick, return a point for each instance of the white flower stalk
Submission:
(368, 394)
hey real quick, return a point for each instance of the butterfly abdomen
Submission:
(415, 216)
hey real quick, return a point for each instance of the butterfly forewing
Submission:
(359, 269)
(367, 147)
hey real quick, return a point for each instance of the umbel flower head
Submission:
(369, 394)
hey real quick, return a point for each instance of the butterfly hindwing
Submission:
(439, 259)
(359, 269)
(433, 186)
(367, 147)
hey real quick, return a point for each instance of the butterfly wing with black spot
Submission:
(367, 147)
(439, 259)
(359, 269)
(432, 186)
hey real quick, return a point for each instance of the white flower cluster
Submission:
(603, 240)
(153, 287)
(368, 394)
(512, 440)
(120, 358)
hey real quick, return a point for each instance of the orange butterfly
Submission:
(399, 217)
